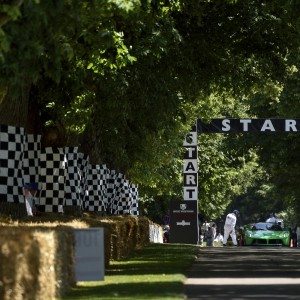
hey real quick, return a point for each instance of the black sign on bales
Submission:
(183, 222)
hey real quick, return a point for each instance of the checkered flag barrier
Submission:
(95, 189)
(52, 174)
(83, 163)
(110, 192)
(134, 208)
(128, 201)
(121, 194)
(64, 176)
(12, 141)
(31, 154)
(120, 204)
(104, 175)
(124, 201)
(73, 177)
(113, 191)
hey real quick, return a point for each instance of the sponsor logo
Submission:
(183, 223)
(183, 206)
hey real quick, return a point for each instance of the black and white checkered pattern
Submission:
(11, 151)
(73, 177)
(52, 174)
(104, 175)
(65, 176)
(118, 186)
(32, 150)
(134, 209)
(122, 195)
(94, 195)
(124, 201)
(110, 192)
(83, 163)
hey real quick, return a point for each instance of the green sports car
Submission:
(269, 234)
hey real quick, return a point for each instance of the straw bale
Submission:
(32, 262)
(64, 259)
(36, 254)
(126, 235)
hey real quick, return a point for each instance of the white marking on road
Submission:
(242, 281)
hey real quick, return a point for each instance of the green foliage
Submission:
(280, 154)
(224, 174)
(126, 79)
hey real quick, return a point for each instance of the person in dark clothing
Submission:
(294, 237)
(211, 234)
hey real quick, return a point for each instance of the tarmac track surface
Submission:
(245, 273)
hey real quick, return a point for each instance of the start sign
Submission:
(249, 125)
(184, 216)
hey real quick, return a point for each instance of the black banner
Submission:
(249, 125)
(184, 222)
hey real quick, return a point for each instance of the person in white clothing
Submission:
(219, 238)
(229, 227)
(272, 219)
(29, 192)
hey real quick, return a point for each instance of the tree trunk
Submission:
(14, 109)
(22, 110)
(14, 112)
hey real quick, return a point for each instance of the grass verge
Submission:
(155, 272)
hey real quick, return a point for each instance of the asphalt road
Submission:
(245, 273)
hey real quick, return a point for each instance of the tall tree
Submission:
(126, 79)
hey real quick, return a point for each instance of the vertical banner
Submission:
(184, 214)
(190, 166)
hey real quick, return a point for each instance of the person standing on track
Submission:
(211, 234)
(229, 227)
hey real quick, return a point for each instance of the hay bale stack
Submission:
(35, 263)
(36, 255)
(123, 234)
(126, 235)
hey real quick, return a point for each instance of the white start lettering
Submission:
(190, 152)
(191, 179)
(251, 125)
(290, 125)
(268, 125)
(190, 166)
(245, 123)
(226, 125)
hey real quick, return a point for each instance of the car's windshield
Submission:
(266, 226)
